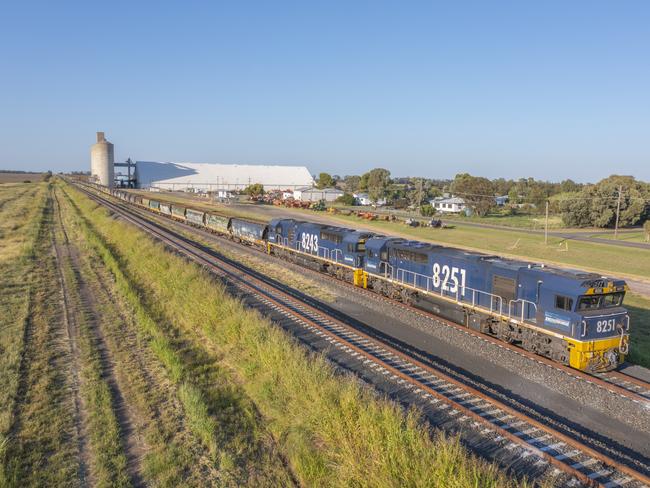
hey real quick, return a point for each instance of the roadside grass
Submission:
(639, 308)
(639, 236)
(332, 431)
(43, 449)
(216, 412)
(524, 221)
(16, 291)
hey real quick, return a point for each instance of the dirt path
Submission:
(84, 312)
(71, 327)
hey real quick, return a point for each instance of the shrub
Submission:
(346, 199)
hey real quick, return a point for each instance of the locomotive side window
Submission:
(361, 246)
(416, 257)
(329, 236)
(384, 255)
(563, 303)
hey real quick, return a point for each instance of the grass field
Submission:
(639, 236)
(20, 177)
(267, 409)
(639, 309)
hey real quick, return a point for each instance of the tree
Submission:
(478, 192)
(427, 210)
(255, 190)
(417, 194)
(346, 199)
(596, 204)
(325, 180)
(351, 183)
(646, 228)
(377, 181)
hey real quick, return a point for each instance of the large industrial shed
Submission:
(212, 177)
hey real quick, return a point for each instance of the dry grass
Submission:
(18, 235)
(43, 449)
(20, 177)
(332, 431)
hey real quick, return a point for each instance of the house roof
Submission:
(456, 200)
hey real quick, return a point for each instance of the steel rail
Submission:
(630, 383)
(198, 255)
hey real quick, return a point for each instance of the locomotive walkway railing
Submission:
(520, 309)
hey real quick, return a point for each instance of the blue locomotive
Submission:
(570, 316)
(573, 317)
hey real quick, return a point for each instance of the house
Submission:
(448, 204)
(502, 200)
(310, 194)
(364, 199)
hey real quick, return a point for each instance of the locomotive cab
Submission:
(587, 309)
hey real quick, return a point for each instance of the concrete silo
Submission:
(102, 161)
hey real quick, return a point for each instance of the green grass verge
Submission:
(332, 431)
(215, 413)
(639, 308)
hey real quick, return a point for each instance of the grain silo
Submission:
(102, 161)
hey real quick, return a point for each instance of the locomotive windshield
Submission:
(596, 302)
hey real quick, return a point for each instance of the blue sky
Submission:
(548, 89)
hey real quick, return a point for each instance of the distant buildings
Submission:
(364, 199)
(219, 177)
(502, 200)
(310, 194)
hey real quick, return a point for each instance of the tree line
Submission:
(580, 205)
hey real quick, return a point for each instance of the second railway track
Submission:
(524, 444)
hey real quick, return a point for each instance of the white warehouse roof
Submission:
(207, 176)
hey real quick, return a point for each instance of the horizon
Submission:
(554, 91)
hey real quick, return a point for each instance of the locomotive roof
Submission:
(514, 264)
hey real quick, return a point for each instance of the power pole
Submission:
(546, 226)
(618, 211)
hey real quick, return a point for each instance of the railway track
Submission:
(633, 385)
(526, 445)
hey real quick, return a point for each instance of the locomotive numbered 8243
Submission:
(571, 316)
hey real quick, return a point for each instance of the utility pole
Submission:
(618, 210)
(546, 226)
